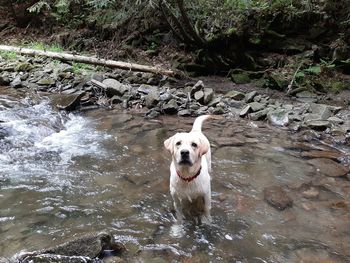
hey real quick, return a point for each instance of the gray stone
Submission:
(219, 110)
(208, 95)
(145, 88)
(170, 107)
(250, 96)
(4, 80)
(318, 125)
(335, 120)
(214, 102)
(166, 96)
(16, 83)
(46, 82)
(199, 96)
(152, 99)
(312, 192)
(153, 113)
(236, 95)
(306, 97)
(324, 111)
(52, 258)
(67, 102)
(278, 117)
(259, 115)
(114, 87)
(197, 87)
(116, 99)
(256, 106)
(245, 111)
(184, 113)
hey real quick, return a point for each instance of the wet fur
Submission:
(192, 200)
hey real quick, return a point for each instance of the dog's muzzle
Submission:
(185, 158)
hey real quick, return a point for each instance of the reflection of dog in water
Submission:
(189, 173)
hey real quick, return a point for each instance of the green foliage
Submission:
(78, 68)
(54, 47)
(8, 55)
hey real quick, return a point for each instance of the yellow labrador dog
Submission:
(189, 173)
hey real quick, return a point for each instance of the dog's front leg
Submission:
(178, 208)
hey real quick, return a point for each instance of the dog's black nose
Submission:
(185, 153)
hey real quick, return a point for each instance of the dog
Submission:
(190, 173)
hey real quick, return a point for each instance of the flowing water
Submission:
(62, 175)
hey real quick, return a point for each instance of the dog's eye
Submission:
(178, 143)
(194, 145)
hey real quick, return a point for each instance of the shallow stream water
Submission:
(62, 175)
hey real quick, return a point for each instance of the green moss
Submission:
(8, 55)
(240, 78)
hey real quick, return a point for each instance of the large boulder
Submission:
(114, 87)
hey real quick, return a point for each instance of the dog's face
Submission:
(186, 148)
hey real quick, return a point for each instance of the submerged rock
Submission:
(328, 167)
(277, 197)
(81, 249)
(67, 102)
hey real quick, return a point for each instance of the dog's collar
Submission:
(189, 179)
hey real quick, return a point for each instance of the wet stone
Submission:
(236, 95)
(114, 87)
(46, 82)
(259, 115)
(256, 106)
(152, 99)
(335, 120)
(277, 197)
(145, 88)
(318, 125)
(321, 154)
(197, 87)
(67, 102)
(199, 96)
(170, 107)
(311, 193)
(250, 96)
(184, 113)
(16, 83)
(328, 167)
(208, 95)
(245, 111)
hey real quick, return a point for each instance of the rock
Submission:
(197, 87)
(322, 154)
(16, 83)
(170, 107)
(328, 167)
(240, 78)
(153, 113)
(335, 120)
(152, 99)
(114, 87)
(116, 99)
(311, 193)
(184, 113)
(24, 66)
(67, 102)
(250, 96)
(214, 102)
(208, 95)
(318, 125)
(89, 246)
(46, 82)
(245, 111)
(277, 197)
(236, 95)
(306, 97)
(323, 111)
(256, 106)
(199, 96)
(259, 115)
(278, 117)
(166, 96)
(219, 110)
(145, 88)
(4, 80)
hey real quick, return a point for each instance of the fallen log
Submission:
(88, 60)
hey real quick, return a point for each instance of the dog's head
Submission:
(186, 148)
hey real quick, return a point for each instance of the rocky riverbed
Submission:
(75, 88)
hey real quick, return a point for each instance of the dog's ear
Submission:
(203, 147)
(168, 144)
